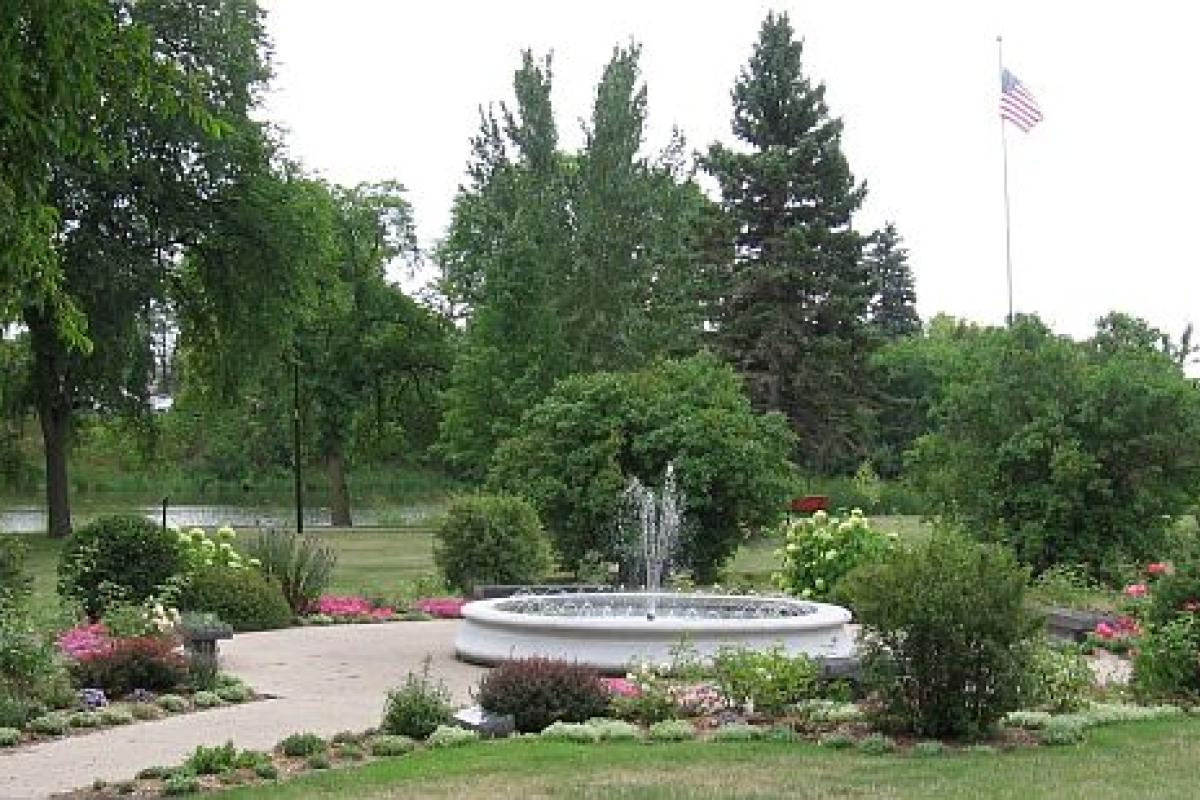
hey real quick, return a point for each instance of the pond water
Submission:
(29, 519)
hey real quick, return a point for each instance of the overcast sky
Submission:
(1102, 191)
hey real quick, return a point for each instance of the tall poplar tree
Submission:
(567, 262)
(793, 311)
(894, 306)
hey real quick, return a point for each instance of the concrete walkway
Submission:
(326, 679)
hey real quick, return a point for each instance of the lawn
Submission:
(376, 561)
(1146, 760)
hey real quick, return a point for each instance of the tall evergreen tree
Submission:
(793, 311)
(894, 306)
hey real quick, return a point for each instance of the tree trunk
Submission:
(339, 491)
(54, 413)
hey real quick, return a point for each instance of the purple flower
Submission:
(91, 699)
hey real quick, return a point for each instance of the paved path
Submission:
(327, 679)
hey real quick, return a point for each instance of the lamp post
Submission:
(296, 452)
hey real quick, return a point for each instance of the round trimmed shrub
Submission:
(122, 558)
(540, 691)
(244, 598)
(946, 635)
(491, 538)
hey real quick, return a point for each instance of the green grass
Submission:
(379, 561)
(1146, 760)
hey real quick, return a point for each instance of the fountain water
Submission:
(657, 517)
(612, 630)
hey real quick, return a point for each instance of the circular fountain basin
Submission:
(611, 631)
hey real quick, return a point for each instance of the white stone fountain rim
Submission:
(487, 612)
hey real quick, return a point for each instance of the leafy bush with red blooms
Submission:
(540, 691)
(119, 666)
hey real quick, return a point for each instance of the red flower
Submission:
(1159, 568)
(1136, 590)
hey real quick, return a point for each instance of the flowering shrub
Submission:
(351, 609)
(646, 695)
(119, 666)
(819, 551)
(441, 607)
(83, 640)
(1167, 660)
(202, 551)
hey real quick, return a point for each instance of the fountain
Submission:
(612, 630)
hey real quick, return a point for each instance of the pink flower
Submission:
(335, 606)
(383, 612)
(1136, 590)
(441, 607)
(1192, 606)
(1159, 568)
(1128, 626)
(1106, 631)
(621, 687)
(83, 641)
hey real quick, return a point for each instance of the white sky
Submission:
(1102, 190)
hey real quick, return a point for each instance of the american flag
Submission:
(1017, 103)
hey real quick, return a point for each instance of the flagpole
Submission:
(1007, 218)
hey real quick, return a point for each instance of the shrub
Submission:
(203, 669)
(945, 635)
(1175, 594)
(876, 744)
(575, 451)
(388, 746)
(540, 691)
(449, 736)
(212, 760)
(1068, 452)
(318, 761)
(173, 703)
(738, 732)
(767, 680)
(491, 539)
(838, 740)
(116, 716)
(1168, 662)
(235, 693)
(301, 565)
(207, 700)
(9, 737)
(571, 732)
(53, 724)
(615, 730)
(672, 730)
(351, 752)
(177, 785)
(267, 771)
(418, 706)
(84, 719)
(136, 662)
(303, 744)
(821, 550)
(929, 748)
(1058, 679)
(31, 672)
(1061, 731)
(15, 582)
(245, 599)
(119, 558)
(145, 711)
